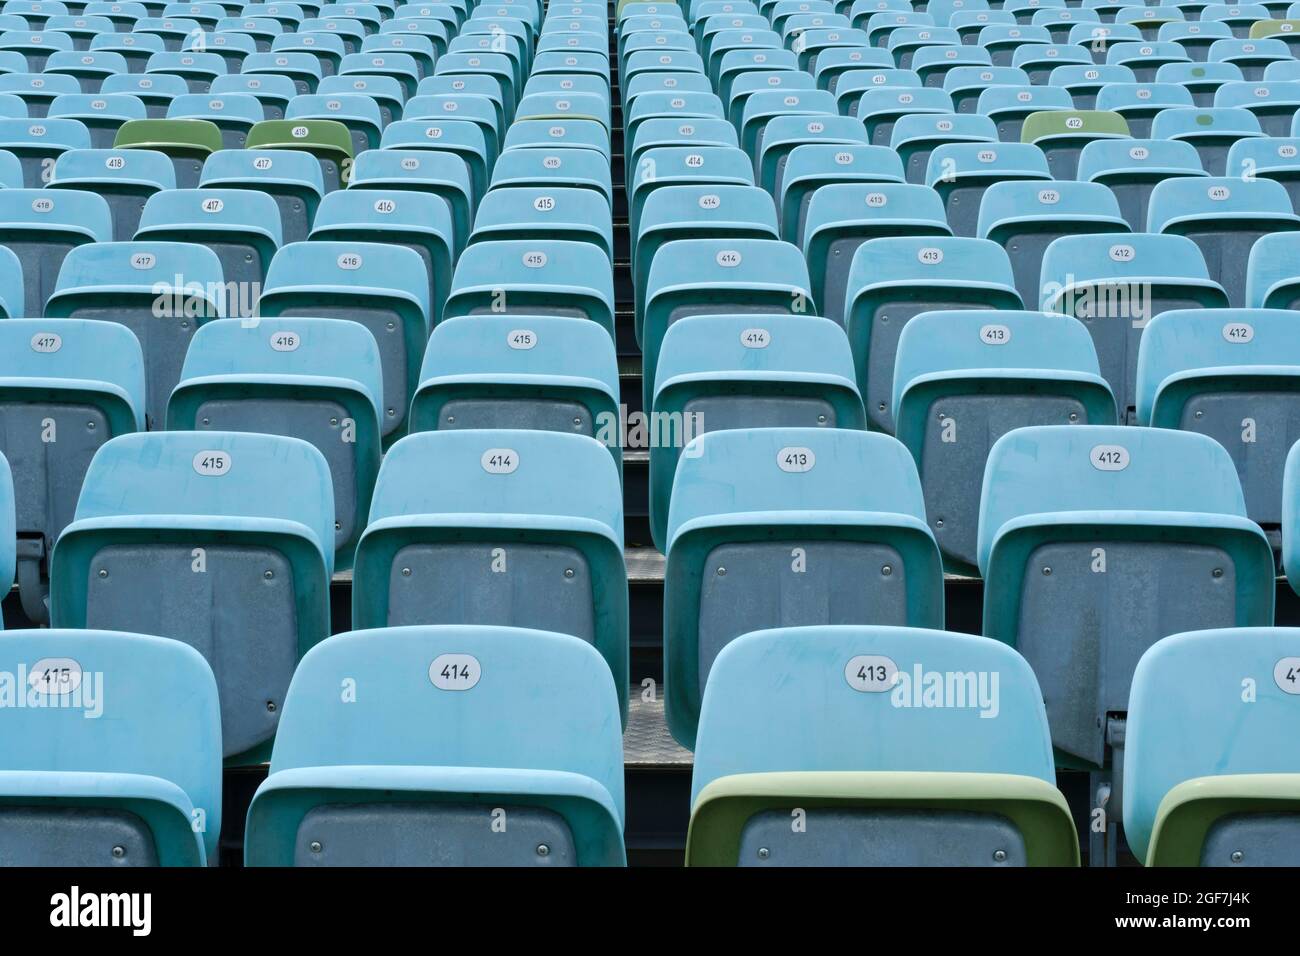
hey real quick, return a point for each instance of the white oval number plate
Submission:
(500, 461)
(55, 675)
(796, 459)
(1109, 457)
(870, 673)
(455, 671)
(212, 464)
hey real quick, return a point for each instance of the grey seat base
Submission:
(1226, 254)
(1253, 839)
(952, 472)
(234, 604)
(1274, 426)
(1090, 609)
(829, 837)
(722, 412)
(317, 422)
(41, 258)
(74, 836)
(543, 586)
(529, 413)
(756, 585)
(432, 834)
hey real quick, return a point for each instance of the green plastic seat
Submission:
(1062, 134)
(328, 140)
(186, 142)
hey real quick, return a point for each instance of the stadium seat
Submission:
(915, 137)
(1062, 135)
(893, 280)
(1024, 217)
(1272, 276)
(442, 174)
(487, 527)
(1094, 544)
(271, 90)
(241, 226)
(1202, 80)
(328, 140)
(717, 277)
(39, 144)
(142, 788)
(766, 528)
(1145, 58)
(125, 179)
(1132, 168)
(811, 166)
(1231, 374)
(291, 177)
(1224, 217)
(161, 291)
(1252, 56)
(965, 84)
(1007, 106)
(41, 227)
(198, 70)
(383, 287)
(1138, 103)
(1274, 104)
(535, 778)
(1115, 285)
(101, 115)
(961, 172)
(303, 69)
(1276, 158)
(1083, 83)
(940, 786)
(1205, 780)
(186, 142)
(314, 379)
(745, 371)
(1211, 131)
(842, 216)
(962, 379)
(234, 114)
(66, 387)
(547, 372)
(156, 91)
(548, 213)
(235, 530)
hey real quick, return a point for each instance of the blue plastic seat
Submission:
(933, 772)
(475, 107)
(891, 280)
(66, 387)
(933, 63)
(963, 379)
(1207, 780)
(1273, 103)
(576, 168)
(36, 45)
(100, 115)
(766, 524)
(292, 178)
(544, 765)
(1144, 57)
(1212, 131)
(1116, 284)
(665, 166)
(303, 69)
(358, 112)
(140, 788)
(1272, 275)
(233, 48)
(88, 67)
(237, 529)
(842, 216)
(720, 372)
(1202, 80)
(271, 90)
(242, 227)
(1225, 217)
(1002, 40)
(161, 291)
(811, 166)
(1094, 545)
(832, 64)
(536, 276)
(1060, 22)
(545, 213)
(961, 172)
(1084, 82)
(135, 48)
(1132, 168)
(1252, 56)
(1195, 37)
(784, 134)
(1025, 217)
(314, 379)
(487, 527)
(234, 114)
(1039, 60)
(716, 277)
(39, 143)
(552, 373)
(156, 91)
(461, 138)
(40, 228)
(420, 48)
(171, 30)
(1276, 158)
(1007, 106)
(1099, 37)
(382, 286)
(198, 70)
(125, 179)
(417, 220)
(1232, 375)
(916, 136)
(443, 174)
(1138, 103)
